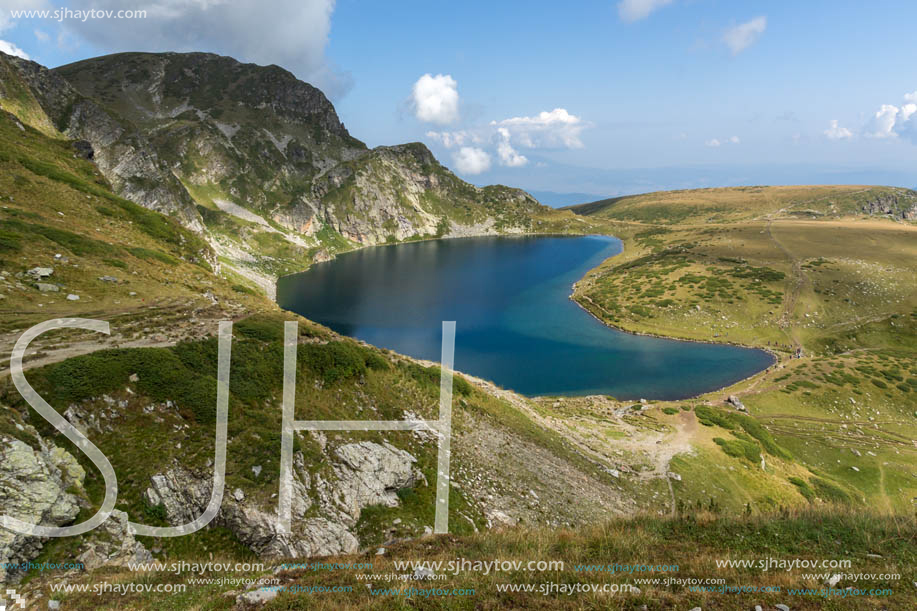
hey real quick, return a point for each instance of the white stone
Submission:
(257, 597)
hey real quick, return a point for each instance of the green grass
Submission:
(692, 542)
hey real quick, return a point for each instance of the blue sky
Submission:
(591, 97)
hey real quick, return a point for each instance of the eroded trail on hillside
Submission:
(798, 280)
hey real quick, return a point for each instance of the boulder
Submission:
(113, 544)
(33, 488)
(736, 402)
(40, 272)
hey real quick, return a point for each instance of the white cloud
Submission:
(907, 110)
(471, 160)
(890, 121)
(508, 155)
(11, 49)
(740, 37)
(456, 138)
(906, 125)
(477, 146)
(290, 33)
(42, 36)
(635, 10)
(836, 132)
(436, 99)
(883, 122)
(716, 142)
(554, 129)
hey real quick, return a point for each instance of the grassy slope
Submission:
(163, 311)
(841, 288)
(694, 542)
(99, 234)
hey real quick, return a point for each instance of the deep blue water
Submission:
(515, 323)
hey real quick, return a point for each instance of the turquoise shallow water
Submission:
(515, 323)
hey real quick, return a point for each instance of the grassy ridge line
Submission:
(730, 204)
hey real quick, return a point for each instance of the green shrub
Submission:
(709, 416)
(262, 328)
(740, 448)
(241, 288)
(830, 492)
(162, 376)
(803, 488)
(75, 243)
(756, 430)
(333, 361)
(148, 254)
(115, 263)
(10, 242)
(429, 378)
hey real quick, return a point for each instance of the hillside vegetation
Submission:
(839, 292)
(812, 458)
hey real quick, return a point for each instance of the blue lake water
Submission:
(515, 323)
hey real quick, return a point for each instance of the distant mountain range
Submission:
(560, 200)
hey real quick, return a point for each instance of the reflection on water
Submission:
(515, 322)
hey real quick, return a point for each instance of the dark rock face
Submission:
(84, 149)
(903, 205)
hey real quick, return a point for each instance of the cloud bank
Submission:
(552, 130)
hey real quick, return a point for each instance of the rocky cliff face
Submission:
(253, 158)
(122, 153)
(259, 138)
(43, 484)
(900, 204)
(325, 508)
(33, 488)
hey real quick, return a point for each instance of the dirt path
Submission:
(799, 279)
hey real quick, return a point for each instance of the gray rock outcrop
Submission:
(33, 488)
(364, 474)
